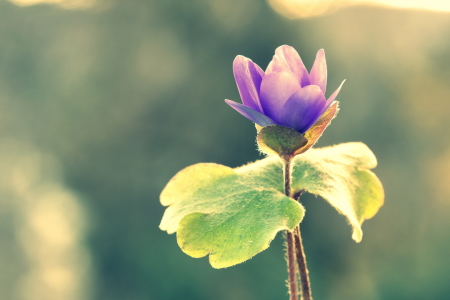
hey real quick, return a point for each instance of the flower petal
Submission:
(251, 114)
(318, 74)
(286, 59)
(334, 95)
(303, 108)
(276, 88)
(248, 76)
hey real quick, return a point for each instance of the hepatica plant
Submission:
(233, 214)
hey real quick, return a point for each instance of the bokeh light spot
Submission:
(295, 9)
(69, 4)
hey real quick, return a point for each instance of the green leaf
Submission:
(231, 214)
(340, 175)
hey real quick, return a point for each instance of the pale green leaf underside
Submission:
(233, 214)
(340, 175)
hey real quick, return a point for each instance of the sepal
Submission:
(287, 142)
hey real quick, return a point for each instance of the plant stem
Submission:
(303, 269)
(290, 236)
(301, 258)
(287, 176)
(291, 266)
(295, 246)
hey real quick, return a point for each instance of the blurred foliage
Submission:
(126, 93)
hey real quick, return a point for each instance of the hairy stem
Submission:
(291, 253)
(291, 266)
(287, 176)
(302, 267)
(300, 256)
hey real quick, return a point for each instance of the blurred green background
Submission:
(101, 103)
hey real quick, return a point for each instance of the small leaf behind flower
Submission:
(231, 214)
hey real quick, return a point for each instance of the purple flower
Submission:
(285, 94)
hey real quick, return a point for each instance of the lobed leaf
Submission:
(230, 214)
(340, 175)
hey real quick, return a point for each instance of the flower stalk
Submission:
(290, 239)
(295, 251)
(302, 267)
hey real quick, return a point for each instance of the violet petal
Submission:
(333, 96)
(286, 59)
(318, 74)
(251, 114)
(303, 108)
(248, 76)
(276, 88)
